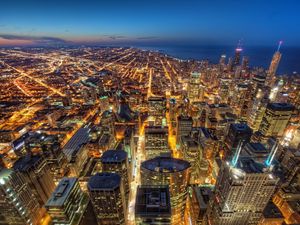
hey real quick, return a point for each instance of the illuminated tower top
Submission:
(279, 45)
(238, 51)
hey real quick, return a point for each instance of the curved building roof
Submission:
(165, 165)
(104, 181)
(113, 156)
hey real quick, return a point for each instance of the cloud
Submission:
(43, 40)
(114, 37)
(147, 37)
(32, 40)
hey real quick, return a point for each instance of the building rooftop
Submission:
(165, 165)
(271, 211)
(295, 205)
(156, 98)
(20, 142)
(212, 119)
(80, 138)
(4, 174)
(153, 201)
(203, 195)
(185, 118)
(281, 106)
(27, 162)
(104, 139)
(207, 133)
(240, 127)
(61, 192)
(249, 165)
(113, 156)
(156, 130)
(195, 74)
(189, 142)
(291, 189)
(104, 181)
(221, 105)
(256, 148)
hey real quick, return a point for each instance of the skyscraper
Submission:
(193, 154)
(194, 86)
(116, 161)
(241, 193)
(245, 63)
(172, 172)
(18, 204)
(37, 175)
(75, 152)
(198, 201)
(222, 60)
(257, 110)
(108, 198)
(157, 108)
(224, 90)
(237, 56)
(241, 97)
(230, 64)
(66, 203)
(271, 76)
(184, 127)
(107, 123)
(156, 141)
(237, 133)
(275, 119)
(153, 205)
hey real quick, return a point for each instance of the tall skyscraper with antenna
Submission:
(237, 56)
(271, 76)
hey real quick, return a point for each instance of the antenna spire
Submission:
(279, 45)
(237, 153)
(239, 46)
(272, 154)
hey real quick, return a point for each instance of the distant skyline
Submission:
(214, 22)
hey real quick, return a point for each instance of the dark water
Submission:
(258, 56)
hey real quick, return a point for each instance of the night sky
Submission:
(256, 22)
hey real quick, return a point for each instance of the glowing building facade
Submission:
(275, 119)
(156, 141)
(18, 205)
(237, 133)
(157, 107)
(172, 172)
(194, 87)
(108, 198)
(192, 153)
(66, 206)
(184, 127)
(116, 161)
(241, 193)
(256, 111)
(37, 175)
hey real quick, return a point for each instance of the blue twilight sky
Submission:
(256, 22)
